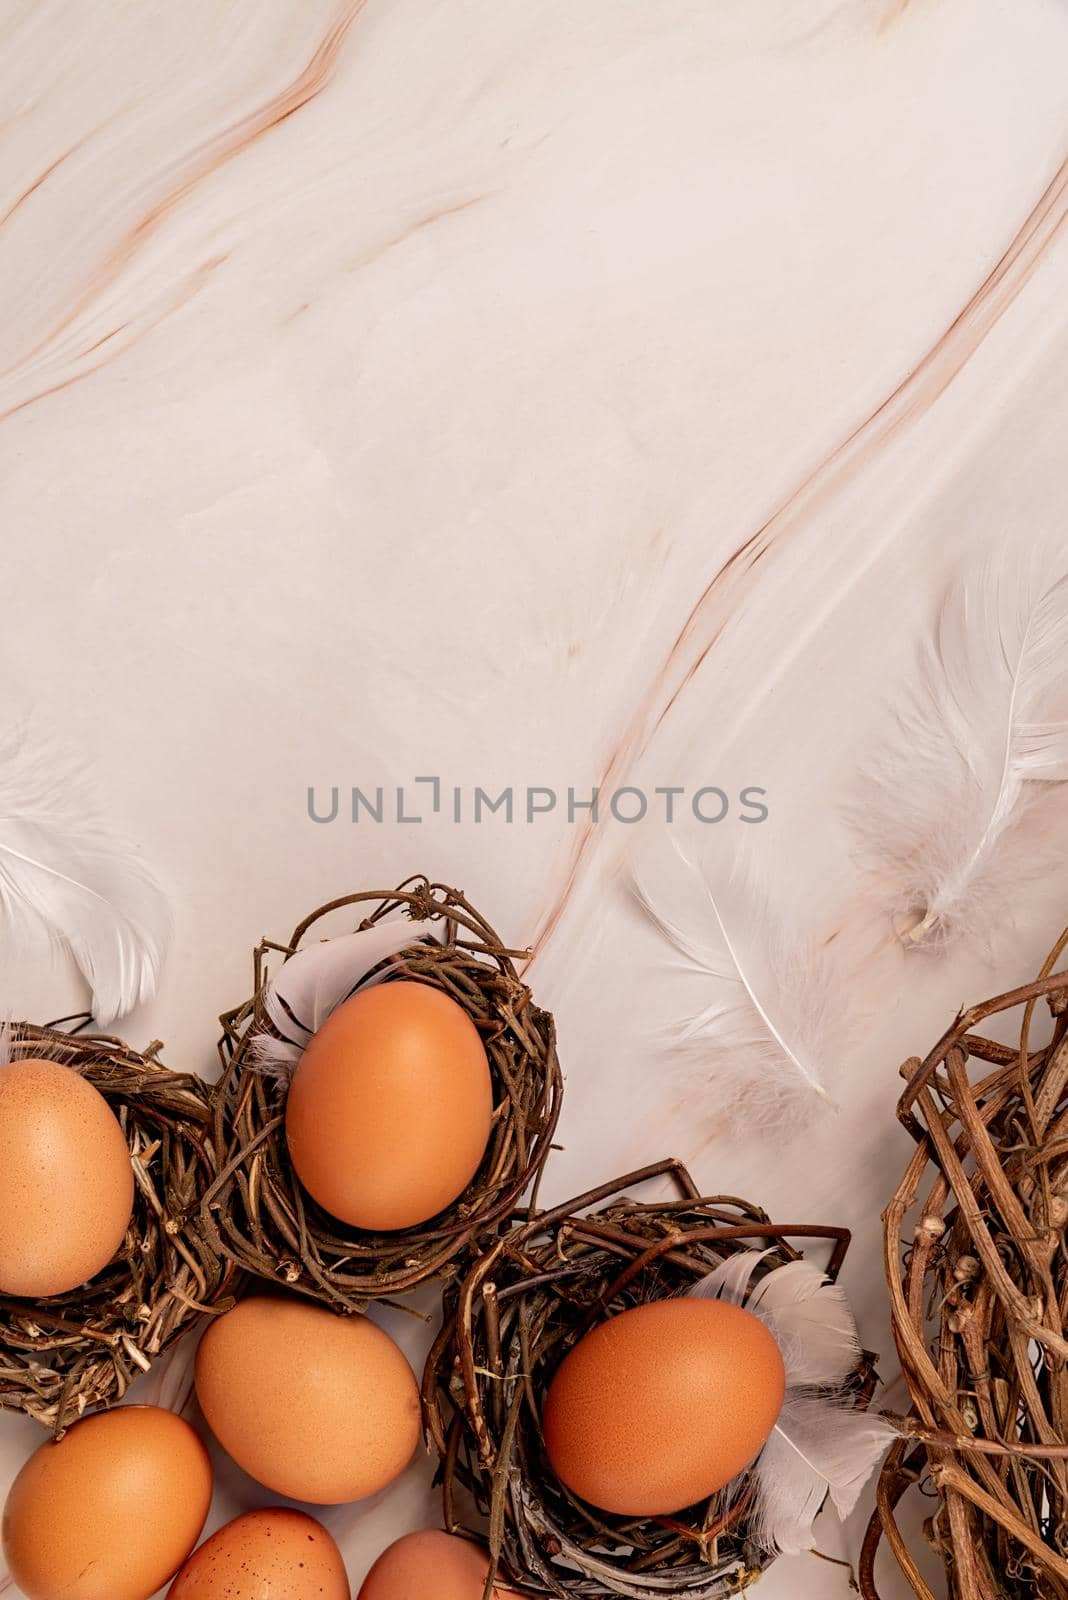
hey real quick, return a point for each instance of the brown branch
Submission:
(979, 1306)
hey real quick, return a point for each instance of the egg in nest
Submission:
(661, 1406)
(66, 1181)
(389, 1111)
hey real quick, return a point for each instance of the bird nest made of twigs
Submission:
(509, 1323)
(62, 1355)
(266, 1222)
(979, 1304)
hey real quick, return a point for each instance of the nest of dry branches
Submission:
(70, 1352)
(508, 1325)
(263, 1219)
(979, 1305)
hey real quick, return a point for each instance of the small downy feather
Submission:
(978, 748)
(820, 1448)
(810, 1317)
(315, 981)
(64, 873)
(812, 1320)
(173, 1378)
(767, 1022)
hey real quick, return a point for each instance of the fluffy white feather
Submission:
(766, 1019)
(978, 747)
(820, 1447)
(314, 982)
(173, 1378)
(810, 1317)
(813, 1322)
(731, 1279)
(65, 874)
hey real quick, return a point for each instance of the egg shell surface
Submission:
(430, 1565)
(66, 1181)
(111, 1511)
(389, 1110)
(659, 1407)
(316, 1406)
(273, 1554)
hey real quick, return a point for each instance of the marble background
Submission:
(557, 394)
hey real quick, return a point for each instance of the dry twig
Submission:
(980, 1304)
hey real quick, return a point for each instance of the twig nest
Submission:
(62, 1354)
(262, 1216)
(511, 1325)
(987, 1372)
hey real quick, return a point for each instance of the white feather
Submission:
(731, 1279)
(820, 1448)
(978, 747)
(766, 1017)
(315, 981)
(65, 874)
(812, 1321)
(174, 1381)
(809, 1316)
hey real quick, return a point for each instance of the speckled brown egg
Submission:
(430, 1565)
(111, 1511)
(389, 1111)
(316, 1406)
(661, 1406)
(66, 1184)
(274, 1554)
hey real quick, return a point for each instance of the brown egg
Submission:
(317, 1406)
(273, 1554)
(389, 1111)
(661, 1406)
(66, 1184)
(111, 1511)
(430, 1565)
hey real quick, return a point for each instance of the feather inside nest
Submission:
(65, 874)
(979, 747)
(315, 981)
(766, 1022)
(820, 1448)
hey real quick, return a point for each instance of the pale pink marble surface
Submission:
(553, 394)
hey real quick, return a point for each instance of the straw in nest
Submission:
(260, 1215)
(508, 1325)
(70, 1352)
(979, 1306)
